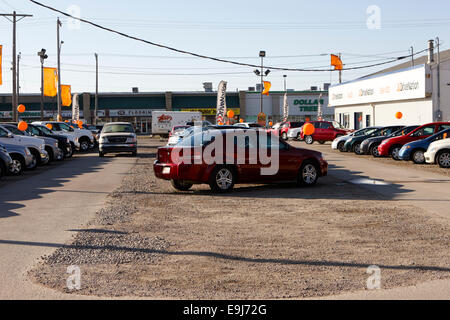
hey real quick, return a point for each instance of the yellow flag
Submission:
(267, 86)
(50, 82)
(66, 95)
(1, 55)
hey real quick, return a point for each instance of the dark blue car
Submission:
(415, 150)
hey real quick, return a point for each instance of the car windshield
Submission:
(179, 129)
(15, 130)
(114, 128)
(198, 139)
(44, 129)
(337, 125)
(255, 125)
(65, 127)
(403, 131)
(440, 135)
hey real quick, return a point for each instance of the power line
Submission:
(200, 55)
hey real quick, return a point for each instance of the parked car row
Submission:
(39, 144)
(427, 143)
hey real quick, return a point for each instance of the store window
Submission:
(346, 120)
(358, 120)
(367, 120)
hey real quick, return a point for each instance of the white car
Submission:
(248, 125)
(439, 152)
(294, 133)
(35, 145)
(81, 139)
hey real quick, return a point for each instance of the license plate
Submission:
(166, 170)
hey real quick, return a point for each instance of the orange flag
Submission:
(50, 82)
(267, 86)
(336, 62)
(1, 56)
(66, 95)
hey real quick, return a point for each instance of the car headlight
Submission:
(407, 147)
(131, 140)
(67, 140)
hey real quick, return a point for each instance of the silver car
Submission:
(117, 137)
(22, 158)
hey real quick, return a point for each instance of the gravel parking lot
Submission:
(261, 241)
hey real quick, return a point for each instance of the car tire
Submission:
(222, 179)
(84, 145)
(394, 152)
(309, 140)
(443, 159)
(321, 142)
(101, 154)
(34, 164)
(299, 136)
(357, 148)
(308, 174)
(374, 151)
(284, 136)
(18, 165)
(418, 157)
(134, 154)
(2, 168)
(51, 156)
(181, 185)
(69, 153)
(340, 146)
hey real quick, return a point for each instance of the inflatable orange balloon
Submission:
(49, 125)
(241, 120)
(399, 115)
(21, 108)
(22, 126)
(270, 123)
(308, 129)
(230, 114)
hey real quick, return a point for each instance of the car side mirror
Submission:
(10, 135)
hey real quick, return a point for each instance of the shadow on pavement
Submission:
(44, 182)
(218, 255)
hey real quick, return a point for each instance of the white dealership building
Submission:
(420, 92)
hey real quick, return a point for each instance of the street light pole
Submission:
(285, 88)
(96, 89)
(42, 57)
(18, 78)
(58, 25)
(262, 54)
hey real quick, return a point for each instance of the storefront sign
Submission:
(306, 105)
(37, 114)
(130, 112)
(208, 111)
(411, 83)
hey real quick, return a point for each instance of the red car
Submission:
(324, 131)
(391, 147)
(177, 129)
(243, 164)
(281, 128)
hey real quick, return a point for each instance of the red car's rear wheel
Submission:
(222, 179)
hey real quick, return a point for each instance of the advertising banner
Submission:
(221, 102)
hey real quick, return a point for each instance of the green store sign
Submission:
(308, 104)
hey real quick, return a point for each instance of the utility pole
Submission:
(438, 76)
(412, 56)
(340, 71)
(18, 78)
(14, 99)
(58, 25)
(96, 89)
(285, 88)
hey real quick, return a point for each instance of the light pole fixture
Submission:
(262, 74)
(42, 57)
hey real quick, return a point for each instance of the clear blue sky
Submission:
(235, 29)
